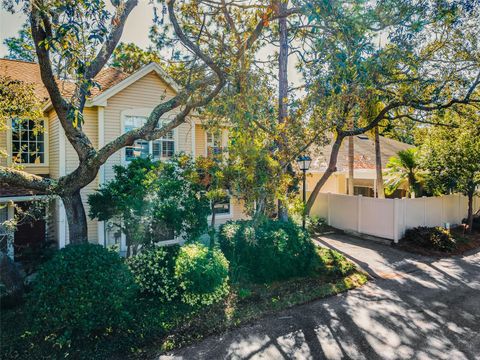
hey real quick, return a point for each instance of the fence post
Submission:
(442, 220)
(359, 214)
(395, 220)
(328, 209)
(459, 207)
(424, 210)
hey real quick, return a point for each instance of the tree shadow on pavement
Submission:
(426, 309)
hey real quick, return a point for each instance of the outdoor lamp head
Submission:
(304, 162)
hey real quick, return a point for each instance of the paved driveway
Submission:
(414, 308)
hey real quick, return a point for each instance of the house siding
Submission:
(200, 141)
(3, 147)
(147, 92)
(54, 145)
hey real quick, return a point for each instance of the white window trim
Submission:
(222, 140)
(45, 145)
(224, 215)
(143, 112)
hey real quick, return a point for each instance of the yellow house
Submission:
(122, 103)
(363, 166)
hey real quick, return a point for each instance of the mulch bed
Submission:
(466, 242)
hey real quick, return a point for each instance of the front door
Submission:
(30, 235)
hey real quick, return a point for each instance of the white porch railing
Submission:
(390, 218)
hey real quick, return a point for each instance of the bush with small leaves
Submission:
(435, 238)
(80, 297)
(154, 272)
(266, 250)
(202, 274)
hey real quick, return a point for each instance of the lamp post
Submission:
(304, 164)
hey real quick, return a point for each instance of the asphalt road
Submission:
(413, 308)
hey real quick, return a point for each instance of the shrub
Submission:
(154, 271)
(266, 251)
(435, 238)
(202, 274)
(79, 297)
(316, 225)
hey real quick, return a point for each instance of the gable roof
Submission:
(364, 158)
(111, 80)
(99, 99)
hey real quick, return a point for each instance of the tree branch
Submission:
(26, 180)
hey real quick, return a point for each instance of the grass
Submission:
(162, 327)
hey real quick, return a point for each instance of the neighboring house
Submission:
(364, 166)
(122, 103)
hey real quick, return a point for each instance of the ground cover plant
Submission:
(438, 241)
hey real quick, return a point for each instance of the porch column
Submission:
(61, 225)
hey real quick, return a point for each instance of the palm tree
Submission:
(378, 166)
(404, 168)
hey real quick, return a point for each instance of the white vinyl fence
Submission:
(390, 218)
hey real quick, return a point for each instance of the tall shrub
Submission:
(267, 250)
(154, 272)
(80, 296)
(202, 274)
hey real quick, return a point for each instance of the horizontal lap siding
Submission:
(54, 164)
(147, 92)
(3, 147)
(53, 144)
(200, 141)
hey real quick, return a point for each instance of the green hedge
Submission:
(266, 251)
(80, 297)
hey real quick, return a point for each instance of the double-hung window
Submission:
(222, 207)
(159, 149)
(214, 143)
(28, 142)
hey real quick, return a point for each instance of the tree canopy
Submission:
(451, 155)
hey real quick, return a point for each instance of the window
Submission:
(28, 142)
(363, 190)
(214, 143)
(222, 206)
(162, 148)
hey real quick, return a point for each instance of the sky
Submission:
(136, 31)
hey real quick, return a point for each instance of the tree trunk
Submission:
(282, 83)
(351, 161)
(212, 226)
(470, 212)
(378, 166)
(332, 167)
(76, 218)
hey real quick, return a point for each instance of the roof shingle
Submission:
(364, 157)
(29, 72)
